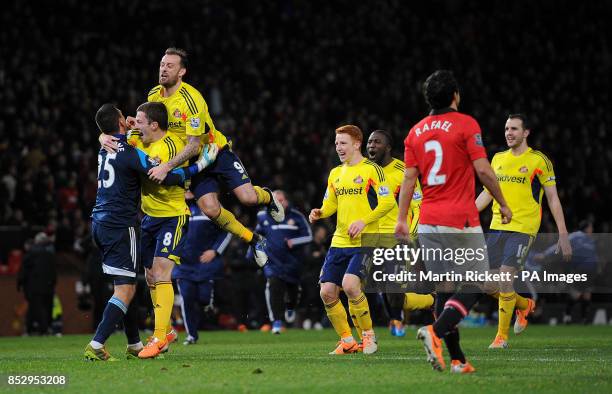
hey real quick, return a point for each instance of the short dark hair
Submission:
(387, 135)
(180, 53)
(155, 112)
(107, 118)
(439, 89)
(523, 118)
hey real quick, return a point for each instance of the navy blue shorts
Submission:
(120, 249)
(508, 248)
(340, 261)
(163, 237)
(227, 169)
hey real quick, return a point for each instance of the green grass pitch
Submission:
(571, 359)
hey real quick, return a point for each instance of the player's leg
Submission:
(120, 255)
(332, 272)
(161, 274)
(293, 298)
(515, 249)
(250, 195)
(451, 310)
(231, 172)
(170, 241)
(358, 303)
(115, 310)
(132, 334)
(208, 202)
(189, 308)
(394, 303)
(415, 301)
(275, 301)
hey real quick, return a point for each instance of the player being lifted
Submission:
(115, 227)
(189, 119)
(524, 175)
(379, 151)
(359, 196)
(445, 148)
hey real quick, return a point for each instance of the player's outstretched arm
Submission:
(483, 200)
(402, 231)
(557, 211)
(489, 180)
(142, 163)
(158, 173)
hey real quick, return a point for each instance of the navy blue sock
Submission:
(130, 324)
(113, 313)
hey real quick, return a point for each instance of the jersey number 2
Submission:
(104, 163)
(434, 178)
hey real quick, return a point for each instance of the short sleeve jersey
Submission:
(442, 146)
(522, 179)
(188, 114)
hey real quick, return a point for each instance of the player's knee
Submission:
(149, 277)
(328, 294)
(209, 206)
(351, 284)
(352, 291)
(246, 194)
(125, 293)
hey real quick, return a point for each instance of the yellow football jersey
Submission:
(522, 180)
(357, 192)
(159, 200)
(188, 114)
(394, 173)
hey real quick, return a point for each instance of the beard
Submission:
(170, 81)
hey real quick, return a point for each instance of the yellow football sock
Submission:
(263, 197)
(506, 310)
(357, 328)
(337, 316)
(153, 292)
(153, 295)
(228, 222)
(414, 301)
(521, 302)
(163, 308)
(360, 312)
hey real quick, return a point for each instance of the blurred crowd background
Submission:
(279, 77)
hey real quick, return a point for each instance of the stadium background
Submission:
(279, 77)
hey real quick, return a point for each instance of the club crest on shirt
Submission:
(194, 122)
(523, 170)
(177, 113)
(291, 222)
(358, 180)
(154, 161)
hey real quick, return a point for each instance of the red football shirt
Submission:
(443, 146)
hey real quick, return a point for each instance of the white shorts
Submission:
(448, 249)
